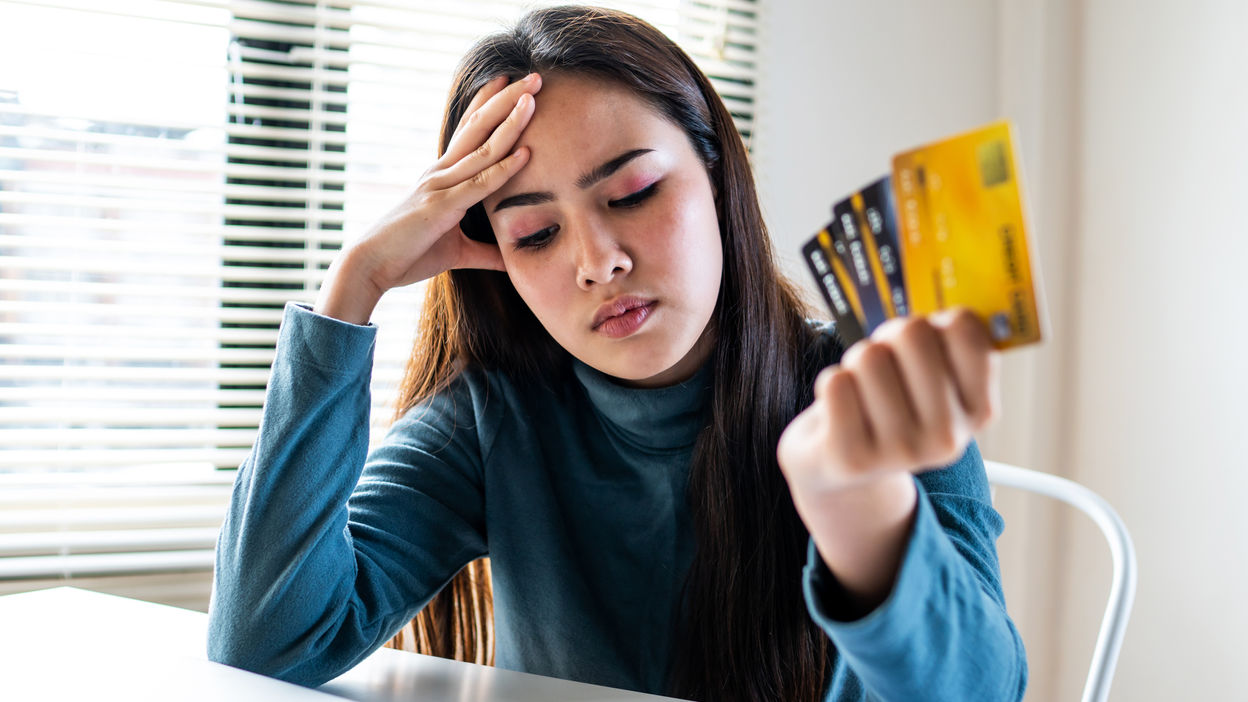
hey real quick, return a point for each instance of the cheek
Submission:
(692, 239)
(524, 278)
(536, 285)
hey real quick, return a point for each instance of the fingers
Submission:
(482, 183)
(832, 431)
(477, 125)
(919, 351)
(487, 91)
(496, 148)
(475, 254)
(885, 398)
(908, 398)
(974, 362)
(851, 432)
(924, 386)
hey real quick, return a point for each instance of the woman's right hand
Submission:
(421, 237)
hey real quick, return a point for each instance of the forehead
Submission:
(580, 122)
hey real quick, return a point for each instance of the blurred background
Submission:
(171, 173)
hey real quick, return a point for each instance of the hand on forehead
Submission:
(579, 124)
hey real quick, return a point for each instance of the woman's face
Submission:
(609, 233)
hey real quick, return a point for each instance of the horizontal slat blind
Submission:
(171, 174)
(162, 518)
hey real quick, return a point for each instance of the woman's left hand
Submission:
(907, 399)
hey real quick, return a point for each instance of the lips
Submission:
(618, 308)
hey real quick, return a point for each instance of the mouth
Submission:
(622, 316)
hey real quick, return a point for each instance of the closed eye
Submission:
(538, 239)
(636, 198)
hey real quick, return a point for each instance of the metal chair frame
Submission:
(1121, 550)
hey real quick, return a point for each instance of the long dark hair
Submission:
(744, 632)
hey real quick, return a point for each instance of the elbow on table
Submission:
(243, 644)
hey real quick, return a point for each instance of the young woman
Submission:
(682, 485)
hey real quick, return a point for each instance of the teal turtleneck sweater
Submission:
(577, 495)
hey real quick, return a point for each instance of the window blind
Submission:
(171, 174)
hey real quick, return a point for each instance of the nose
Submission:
(599, 256)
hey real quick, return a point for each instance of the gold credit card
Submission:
(947, 229)
(963, 234)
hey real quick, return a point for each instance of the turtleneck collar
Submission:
(654, 418)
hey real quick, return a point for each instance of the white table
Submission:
(71, 644)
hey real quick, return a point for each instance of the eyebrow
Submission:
(593, 176)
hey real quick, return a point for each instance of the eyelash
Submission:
(636, 198)
(539, 239)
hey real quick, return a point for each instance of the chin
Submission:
(631, 370)
(642, 367)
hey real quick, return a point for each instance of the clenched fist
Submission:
(906, 399)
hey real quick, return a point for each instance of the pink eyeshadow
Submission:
(636, 182)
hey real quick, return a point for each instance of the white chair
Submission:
(1122, 587)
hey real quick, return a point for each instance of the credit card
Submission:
(877, 217)
(963, 232)
(832, 277)
(946, 229)
(848, 242)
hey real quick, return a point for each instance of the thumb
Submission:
(475, 254)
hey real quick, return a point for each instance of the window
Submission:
(171, 173)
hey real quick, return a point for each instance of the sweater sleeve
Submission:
(323, 555)
(943, 632)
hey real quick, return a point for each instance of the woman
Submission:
(616, 397)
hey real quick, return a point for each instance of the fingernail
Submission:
(530, 78)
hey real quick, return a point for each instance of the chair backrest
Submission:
(1121, 550)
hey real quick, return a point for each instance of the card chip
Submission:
(994, 165)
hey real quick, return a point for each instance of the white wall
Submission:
(1132, 120)
(1159, 416)
(845, 85)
